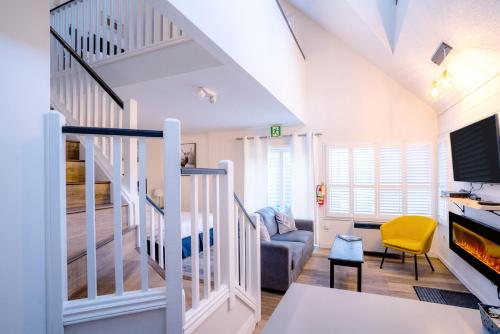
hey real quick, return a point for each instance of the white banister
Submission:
(215, 204)
(195, 259)
(206, 235)
(130, 158)
(142, 218)
(90, 217)
(255, 283)
(160, 242)
(55, 238)
(172, 204)
(227, 230)
(117, 214)
(152, 241)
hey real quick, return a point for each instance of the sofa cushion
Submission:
(267, 215)
(305, 237)
(296, 249)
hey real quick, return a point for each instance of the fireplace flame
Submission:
(479, 247)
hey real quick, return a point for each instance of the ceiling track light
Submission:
(207, 92)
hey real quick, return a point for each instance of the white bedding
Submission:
(186, 223)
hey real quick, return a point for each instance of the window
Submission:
(390, 181)
(364, 181)
(379, 182)
(338, 181)
(279, 175)
(419, 179)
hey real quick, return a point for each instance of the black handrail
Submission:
(87, 68)
(154, 205)
(203, 171)
(82, 130)
(290, 28)
(61, 5)
(244, 211)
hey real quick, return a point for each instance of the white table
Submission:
(315, 310)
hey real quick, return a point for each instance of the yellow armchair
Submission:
(409, 234)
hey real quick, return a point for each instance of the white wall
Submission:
(483, 103)
(24, 87)
(250, 35)
(347, 99)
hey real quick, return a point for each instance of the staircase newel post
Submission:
(55, 221)
(130, 159)
(172, 203)
(227, 230)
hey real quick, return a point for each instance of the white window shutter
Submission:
(390, 181)
(364, 181)
(338, 188)
(419, 179)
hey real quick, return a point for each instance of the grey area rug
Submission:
(447, 297)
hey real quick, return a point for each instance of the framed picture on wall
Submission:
(188, 155)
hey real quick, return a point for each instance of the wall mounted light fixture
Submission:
(206, 92)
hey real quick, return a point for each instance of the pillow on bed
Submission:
(264, 233)
(286, 222)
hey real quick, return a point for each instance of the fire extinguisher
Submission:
(320, 194)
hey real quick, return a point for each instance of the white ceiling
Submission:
(241, 101)
(401, 39)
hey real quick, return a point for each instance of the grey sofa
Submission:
(283, 258)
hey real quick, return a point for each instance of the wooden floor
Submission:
(395, 279)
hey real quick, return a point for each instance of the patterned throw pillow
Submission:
(264, 233)
(286, 223)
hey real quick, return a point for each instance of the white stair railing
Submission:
(99, 29)
(86, 100)
(62, 310)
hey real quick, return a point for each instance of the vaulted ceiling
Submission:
(400, 37)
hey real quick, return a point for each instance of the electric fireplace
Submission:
(476, 243)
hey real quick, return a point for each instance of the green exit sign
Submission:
(275, 130)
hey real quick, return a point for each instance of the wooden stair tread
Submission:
(97, 207)
(83, 183)
(74, 160)
(72, 141)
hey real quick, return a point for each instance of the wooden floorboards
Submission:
(395, 279)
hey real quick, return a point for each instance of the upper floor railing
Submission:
(99, 29)
(290, 28)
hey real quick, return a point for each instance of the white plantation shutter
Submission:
(279, 180)
(390, 181)
(442, 181)
(383, 182)
(338, 197)
(364, 181)
(419, 179)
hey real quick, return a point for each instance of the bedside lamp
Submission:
(158, 193)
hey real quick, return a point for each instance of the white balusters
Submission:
(90, 217)
(117, 214)
(152, 237)
(206, 236)
(215, 216)
(195, 260)
(142, 215)
(99, 29)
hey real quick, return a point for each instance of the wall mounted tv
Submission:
(475, 151)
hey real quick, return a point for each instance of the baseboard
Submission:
(249, 326)
(462, 279)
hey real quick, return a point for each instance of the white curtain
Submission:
(303, 176)
(255, 179)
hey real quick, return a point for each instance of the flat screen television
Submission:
(475, 151)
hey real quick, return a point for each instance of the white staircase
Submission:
(84, 32)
